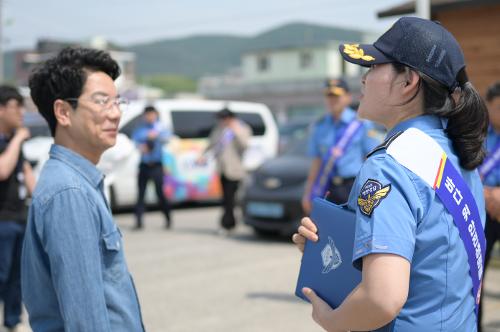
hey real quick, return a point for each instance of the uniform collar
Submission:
(423, 122)
(80, 164)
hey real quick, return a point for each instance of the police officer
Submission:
(337, 171)
(16, 184)
(415, 270)
(490, 172)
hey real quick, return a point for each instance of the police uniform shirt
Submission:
(410, 221)
(493, 178)
(326, 130)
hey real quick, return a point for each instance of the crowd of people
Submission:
(64, 259)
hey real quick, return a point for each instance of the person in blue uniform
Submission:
(415, 270)
(150, 137)
(491, 175)
(325, 134)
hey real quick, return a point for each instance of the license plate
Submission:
(267, 210)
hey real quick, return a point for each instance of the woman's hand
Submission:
(322, 313)
(307, 230)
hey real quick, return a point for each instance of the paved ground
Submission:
(190, 279)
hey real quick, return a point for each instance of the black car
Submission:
(272, 195)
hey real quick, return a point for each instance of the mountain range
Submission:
(200, 55)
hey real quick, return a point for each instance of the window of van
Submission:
(129, 128)
(197, 124)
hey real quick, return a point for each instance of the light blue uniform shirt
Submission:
(326, 130)
(412, 222)
(140, 136)
(493, 179)
(74, 275)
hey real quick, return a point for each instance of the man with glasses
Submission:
(16, 184)
(74, 274)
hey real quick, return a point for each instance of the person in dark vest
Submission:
(16, 185)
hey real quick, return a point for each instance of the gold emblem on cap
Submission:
(353, 51)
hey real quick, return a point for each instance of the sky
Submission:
(127, 22)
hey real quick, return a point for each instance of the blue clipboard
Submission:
(327, 264)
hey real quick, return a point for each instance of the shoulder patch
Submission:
(385, 144)
(370, 196)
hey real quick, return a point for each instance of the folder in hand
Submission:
(326, 265)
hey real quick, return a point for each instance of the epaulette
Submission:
(385, 144)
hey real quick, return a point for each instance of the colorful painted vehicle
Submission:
(191, 122)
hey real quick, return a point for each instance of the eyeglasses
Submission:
(105, 103)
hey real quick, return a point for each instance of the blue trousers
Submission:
(11, 242)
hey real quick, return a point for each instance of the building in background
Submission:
(26, 61)
(476, 26)
(289, 80)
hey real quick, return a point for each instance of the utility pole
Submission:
(422, 8)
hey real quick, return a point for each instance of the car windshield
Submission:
(197, 124)
(293, 138)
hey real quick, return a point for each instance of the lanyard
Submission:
(336, 151)
(491, 162)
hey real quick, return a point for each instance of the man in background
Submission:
(227, 142)
(490, 173)
(336, 164)
(16, 185)
(150, 137)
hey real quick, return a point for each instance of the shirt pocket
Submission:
(113, 258)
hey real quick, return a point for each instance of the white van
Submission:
(191, 122)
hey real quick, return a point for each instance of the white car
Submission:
(190, 121)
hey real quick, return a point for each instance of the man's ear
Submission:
(62, 112)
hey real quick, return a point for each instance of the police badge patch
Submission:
(370, 196)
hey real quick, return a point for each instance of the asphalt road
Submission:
(191, 279)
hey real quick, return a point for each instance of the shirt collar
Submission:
(423, 122)
(78, 163)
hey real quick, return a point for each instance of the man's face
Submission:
(150, 117)
(494, 112)
(11, 115)
(336, 104)
(226, 121)
(94, 123)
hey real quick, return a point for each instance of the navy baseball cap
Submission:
(336, 87)
(425, 46)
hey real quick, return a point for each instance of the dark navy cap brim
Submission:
(363, 54)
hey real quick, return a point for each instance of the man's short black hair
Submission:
(7, 93)
(493, 91)
(65, 75)
(149, 109)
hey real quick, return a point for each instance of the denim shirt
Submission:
(74, 274)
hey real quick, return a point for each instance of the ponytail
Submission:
(468, 126)
(467, 119)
